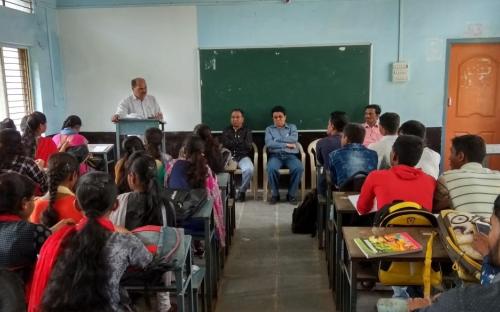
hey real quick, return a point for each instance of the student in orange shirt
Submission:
(59, 202)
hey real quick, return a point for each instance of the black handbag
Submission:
(186, 203)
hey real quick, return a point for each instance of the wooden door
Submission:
(474, 95)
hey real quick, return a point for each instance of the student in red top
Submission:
(35, 146)
(59, 202)
(402, 181)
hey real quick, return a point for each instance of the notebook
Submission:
(388, 245)
(354, 201)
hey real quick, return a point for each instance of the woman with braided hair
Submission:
(130, 145)
(153, 138)
(59, 202)
(35, 146)
(80, 267)
(141, 206)
(21, 240)
(213, 152)
(192, 171)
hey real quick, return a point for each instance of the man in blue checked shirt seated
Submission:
(281, 141)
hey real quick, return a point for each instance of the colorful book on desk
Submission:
(388, 245)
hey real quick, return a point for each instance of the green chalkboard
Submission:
(310, 82)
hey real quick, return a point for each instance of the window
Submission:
(15, 88)
(20, 5)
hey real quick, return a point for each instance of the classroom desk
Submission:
(322, 207)
(231, 169)
(342, 208)
(206, 213)
(103, 150)
(232, 194)
(223, 181)
(350, 264)
(181, 266)
(329, 245)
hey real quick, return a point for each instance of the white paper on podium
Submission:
(98, 148)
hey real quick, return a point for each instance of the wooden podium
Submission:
(128, 126)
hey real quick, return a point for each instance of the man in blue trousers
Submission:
(281, 141)
(238, 139)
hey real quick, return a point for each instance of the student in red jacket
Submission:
(402, 181)
(35, 145)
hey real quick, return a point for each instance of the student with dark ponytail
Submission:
(130, 145)
(35, 146)
(80, 267)
(153, 138)
(12, 159)
(213, 152)
(59, 202)
(141, 206)
(191, 171)
(21, 240)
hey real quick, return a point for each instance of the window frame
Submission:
(25, 69)
(29, 8)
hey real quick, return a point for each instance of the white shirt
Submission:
(472, 188)
(429, 162)
(383, 147)
(141, 109)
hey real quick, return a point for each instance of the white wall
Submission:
(102, 49)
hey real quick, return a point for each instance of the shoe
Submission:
(292, 200)
(274, 200)
(241, 197)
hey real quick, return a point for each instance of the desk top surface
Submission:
(342, 203)
(100, 148)
(139, 120)
(231, 167)
(205, 211)
(420, 234)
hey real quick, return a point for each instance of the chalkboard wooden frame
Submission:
(255, 79)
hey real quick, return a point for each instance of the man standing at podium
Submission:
(139, 104)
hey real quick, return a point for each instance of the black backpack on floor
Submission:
(304, 216)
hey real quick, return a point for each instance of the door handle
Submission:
(449, 101)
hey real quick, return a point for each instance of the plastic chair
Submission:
(311, 150)
(283, 171)
(253, 184)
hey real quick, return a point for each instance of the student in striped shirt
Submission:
(468, 186)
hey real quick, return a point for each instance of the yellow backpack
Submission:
(409, 273)
(456, 230)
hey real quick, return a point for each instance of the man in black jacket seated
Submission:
(238, 139)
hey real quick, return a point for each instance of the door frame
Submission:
(449, 44)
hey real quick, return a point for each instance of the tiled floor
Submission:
(271, 269)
